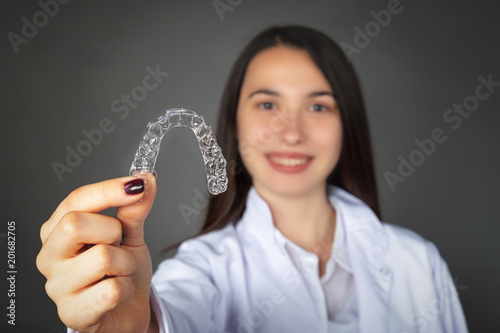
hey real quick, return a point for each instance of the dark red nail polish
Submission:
(135, 186)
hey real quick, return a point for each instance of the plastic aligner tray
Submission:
(215, 163)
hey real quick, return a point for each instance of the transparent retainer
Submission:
(215, 163)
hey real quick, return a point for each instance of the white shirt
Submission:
(333, 293)
(247, 277)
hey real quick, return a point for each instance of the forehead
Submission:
(282, 65)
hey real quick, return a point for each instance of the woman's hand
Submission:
(97, 284)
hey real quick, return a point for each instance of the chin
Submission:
(293, 189)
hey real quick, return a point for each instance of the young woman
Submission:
(294, 245)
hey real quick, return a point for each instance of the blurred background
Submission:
(72, 68)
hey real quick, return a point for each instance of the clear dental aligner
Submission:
(215, 163)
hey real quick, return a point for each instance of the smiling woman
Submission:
(297, 158)
(299, 84)
(295, 244)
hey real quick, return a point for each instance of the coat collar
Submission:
(366, 243)
(361, 226)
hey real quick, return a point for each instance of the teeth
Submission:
(288, 161)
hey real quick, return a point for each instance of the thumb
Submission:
(132, 216)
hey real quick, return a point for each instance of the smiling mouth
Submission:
(284, 161)
(289, 162)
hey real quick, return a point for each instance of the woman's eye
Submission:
(319, 107)
(266, 105)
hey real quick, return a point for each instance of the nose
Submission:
(293, 129)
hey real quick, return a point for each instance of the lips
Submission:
(289, 162)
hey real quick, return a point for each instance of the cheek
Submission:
(329, 138)
(254, 131)
(248, 130)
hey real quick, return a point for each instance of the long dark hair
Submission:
(354, 171)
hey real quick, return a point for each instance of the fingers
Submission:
(100, 261)
(79, 228)
(132, 216)
(90, 306)
(87, 282)
(95, 198)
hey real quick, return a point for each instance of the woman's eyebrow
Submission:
(274, 93)
(320, 93)
(264, 91)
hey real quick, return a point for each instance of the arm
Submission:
(185, 292)
(452, 317)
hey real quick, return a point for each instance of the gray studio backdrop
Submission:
(429, 71)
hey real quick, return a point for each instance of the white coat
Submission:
(239, 279)
(220, 282)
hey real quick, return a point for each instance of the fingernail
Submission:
(135, 186)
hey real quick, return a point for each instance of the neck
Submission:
(308, 220)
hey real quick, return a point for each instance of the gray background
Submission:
(66, 77)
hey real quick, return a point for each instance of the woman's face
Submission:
(288, 124)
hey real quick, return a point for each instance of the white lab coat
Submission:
(238, 279)
(217, 281)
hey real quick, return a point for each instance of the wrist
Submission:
(153, 322)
